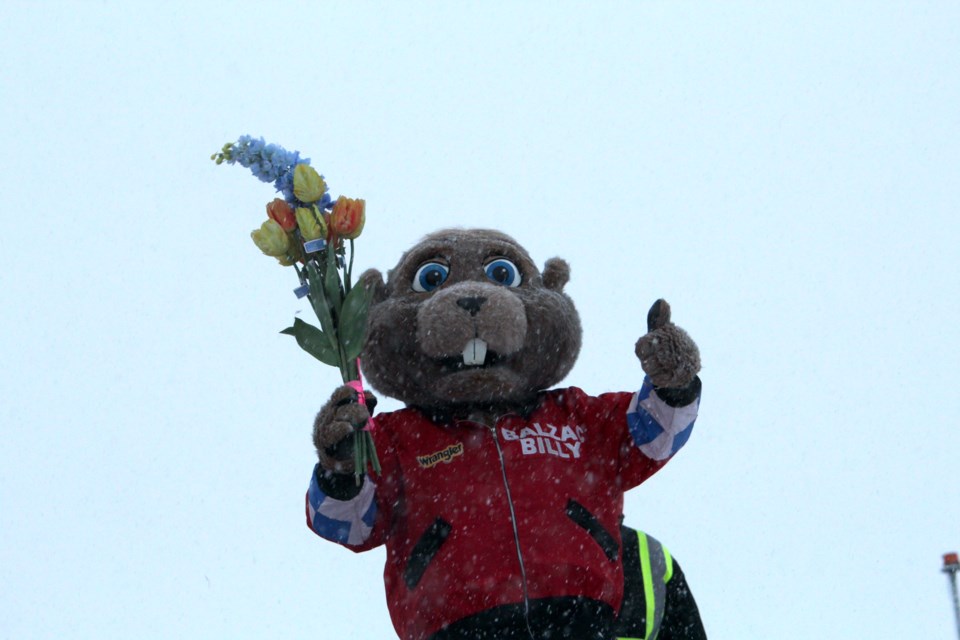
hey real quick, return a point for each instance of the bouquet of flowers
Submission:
(309, 231)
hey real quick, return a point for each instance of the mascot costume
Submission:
(500, 499)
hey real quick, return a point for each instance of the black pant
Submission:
(566, 618)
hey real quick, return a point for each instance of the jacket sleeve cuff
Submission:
(680, 396)
(339, 486)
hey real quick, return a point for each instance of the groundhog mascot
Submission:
(499, 500)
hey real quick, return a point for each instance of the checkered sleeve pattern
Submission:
(658, 429)
(347, 522)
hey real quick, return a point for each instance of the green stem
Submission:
(358, 460)
(374, 460)
(349, 273)
(346, 367)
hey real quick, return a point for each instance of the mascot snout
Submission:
(473, 322)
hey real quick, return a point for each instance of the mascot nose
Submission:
(471, 304)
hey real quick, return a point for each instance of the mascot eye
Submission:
(504, 272)
(430, 276)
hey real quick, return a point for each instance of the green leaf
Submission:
(353, 321)
(331, 283)
(320, 307)
(313, 341)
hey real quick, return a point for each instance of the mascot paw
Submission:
(667, 353)
(337, 421)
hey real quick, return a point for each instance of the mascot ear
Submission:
(373, 281)
(556, 274)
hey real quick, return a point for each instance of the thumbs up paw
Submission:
(667, 353)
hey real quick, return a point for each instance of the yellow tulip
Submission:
(293, 255)
(311, 223)
(308, 186)
(271, 238)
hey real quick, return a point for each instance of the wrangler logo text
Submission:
(446, 455)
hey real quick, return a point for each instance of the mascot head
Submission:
(467, 319)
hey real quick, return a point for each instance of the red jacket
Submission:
(475, 517)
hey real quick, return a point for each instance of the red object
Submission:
(282, 213)
(357, 385)
(347, 217)
(951, 559)
(443, 512)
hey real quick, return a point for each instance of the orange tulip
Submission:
(282, 213)
(348, 217)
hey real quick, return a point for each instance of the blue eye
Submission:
(430, 276)
(504, 272)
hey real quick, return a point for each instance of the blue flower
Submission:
(269, 163)
(284, 184)
(326, 202)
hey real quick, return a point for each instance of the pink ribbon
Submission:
(357, 385)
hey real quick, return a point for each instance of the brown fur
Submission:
(667, 353)
(533, 329)
(339, 418)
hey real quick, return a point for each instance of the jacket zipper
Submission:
(516, 532)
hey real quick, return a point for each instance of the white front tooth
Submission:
(475, 352)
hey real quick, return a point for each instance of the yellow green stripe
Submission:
(647, 581)
(668, 561)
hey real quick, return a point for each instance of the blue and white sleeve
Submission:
(660, 426)
(348, 522)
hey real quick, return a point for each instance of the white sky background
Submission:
(786, 175)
